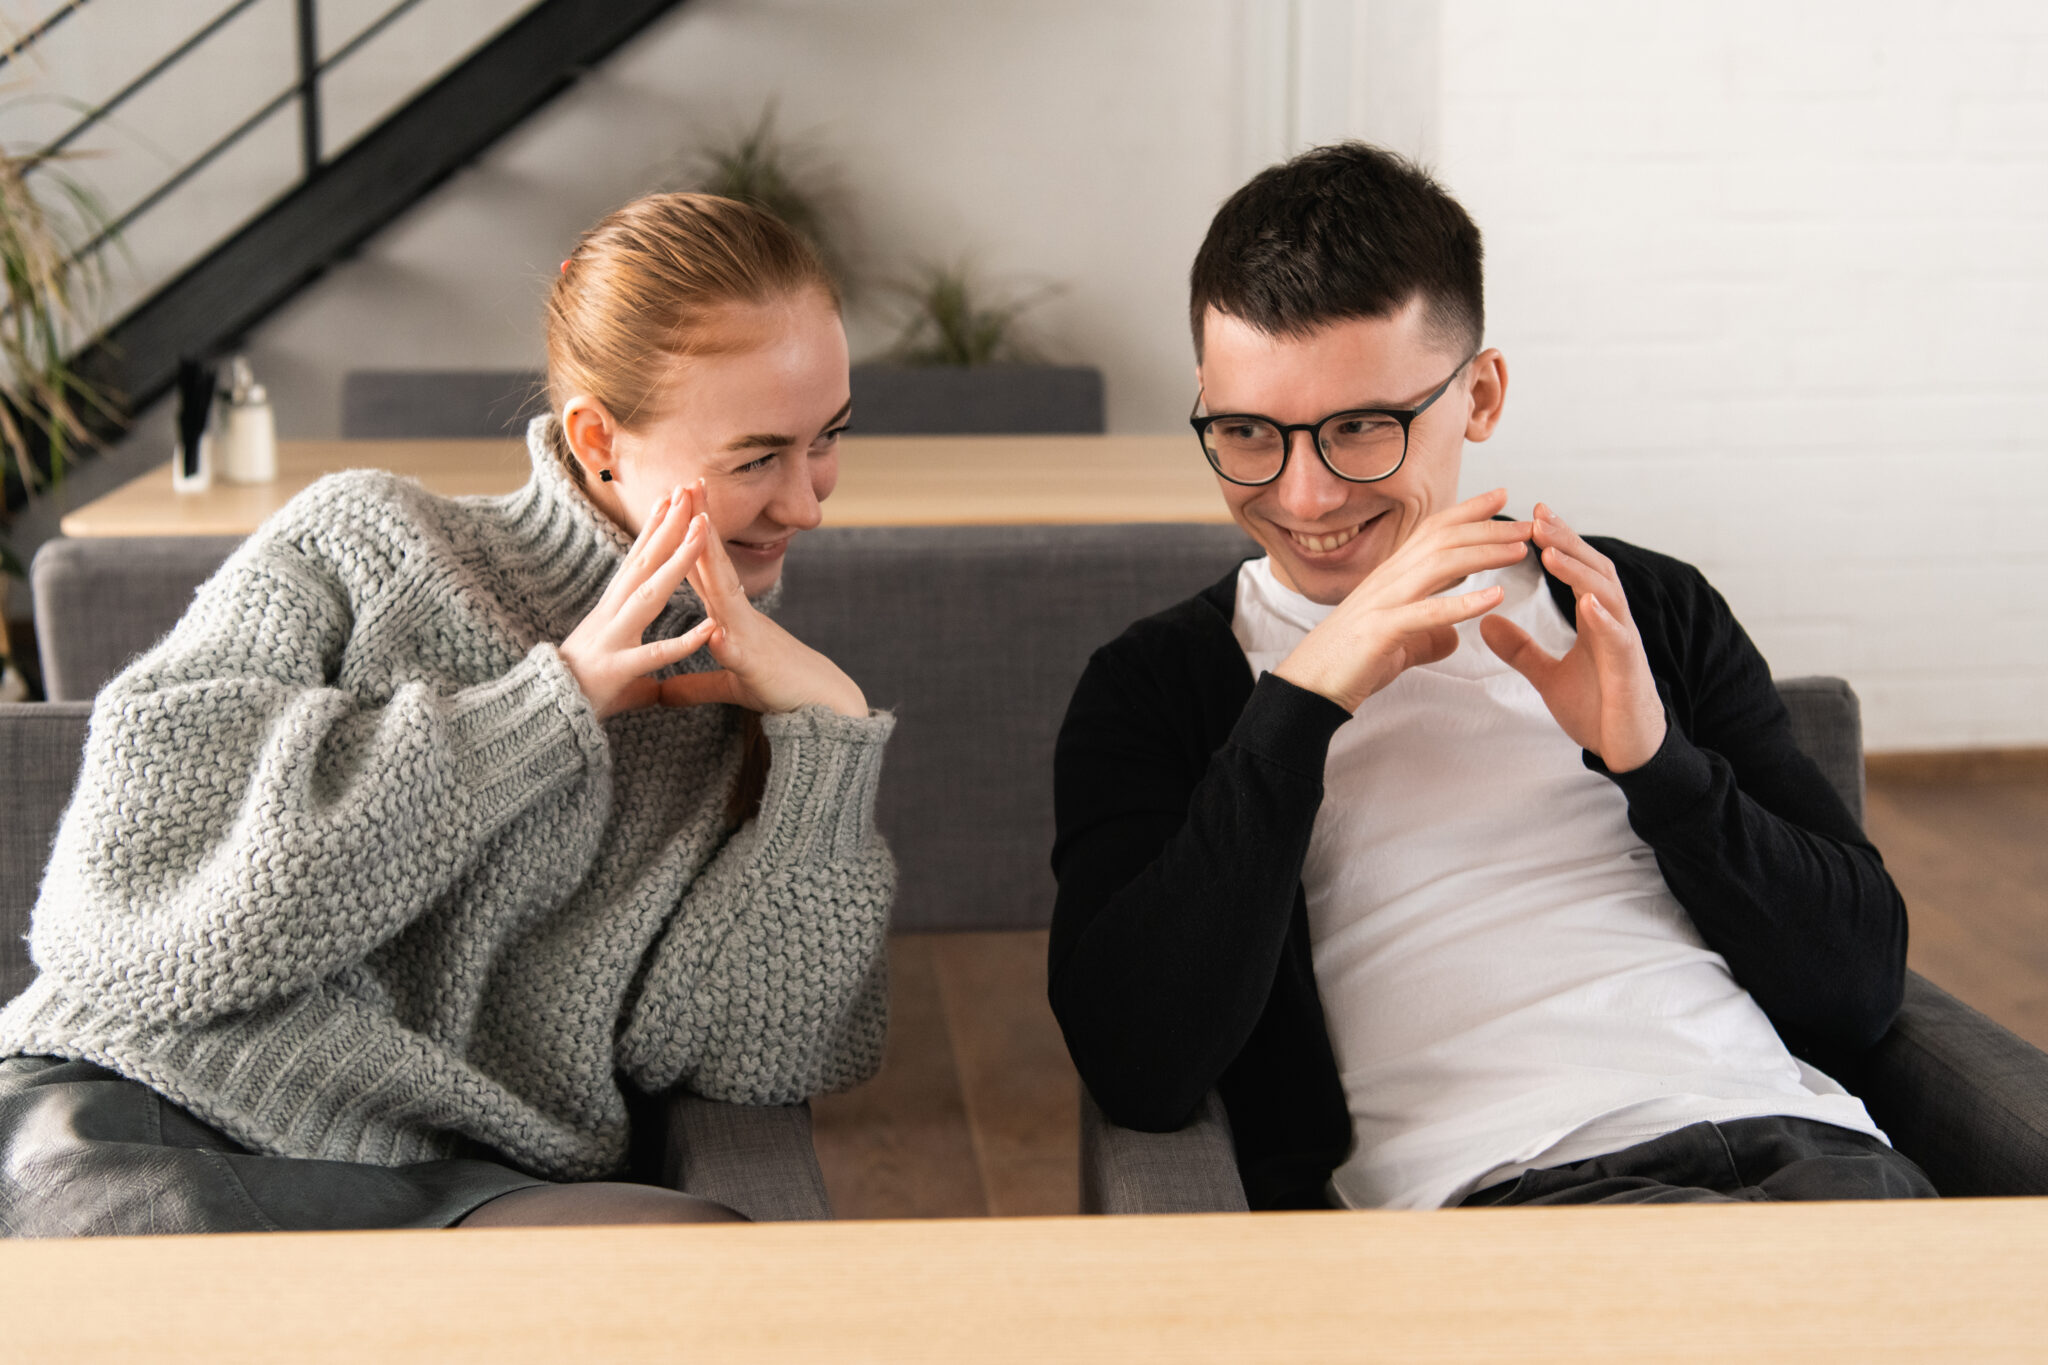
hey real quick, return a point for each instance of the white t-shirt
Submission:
(1507, 982)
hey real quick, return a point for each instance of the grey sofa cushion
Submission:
(975, 637)
(439, 404)
(758, 1159)
(40, 746)
(1192, 1169)
(99, 603)
(1962, 1096)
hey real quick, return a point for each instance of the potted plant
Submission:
(961, 366)
(50, 304)
(789, 180)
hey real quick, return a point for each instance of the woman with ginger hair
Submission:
(438, 826)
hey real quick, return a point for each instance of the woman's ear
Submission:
(590, 432)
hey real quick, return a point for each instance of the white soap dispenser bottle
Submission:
(249, 453)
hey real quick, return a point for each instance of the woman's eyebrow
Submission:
(762, 440)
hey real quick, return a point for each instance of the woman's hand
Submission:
(761, 666)
(1601, 691)
(1391, 621)
(604, 653)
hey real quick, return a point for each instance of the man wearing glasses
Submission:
(1496, 876)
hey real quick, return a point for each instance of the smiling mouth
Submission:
(762, 547)
(1328, 541)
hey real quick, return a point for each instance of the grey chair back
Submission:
(99, 603)
(916, 400)
(975, 637)
(40, 746)
(1827, 725)
(439, 404)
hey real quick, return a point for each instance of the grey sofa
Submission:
(1963, 1097)
(975, 636)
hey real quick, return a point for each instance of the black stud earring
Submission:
(605, 474)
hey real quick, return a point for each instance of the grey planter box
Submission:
(916, 400)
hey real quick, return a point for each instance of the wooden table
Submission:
(883, 481)
(1964, 1280)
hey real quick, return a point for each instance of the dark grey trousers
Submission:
(1743, 1160)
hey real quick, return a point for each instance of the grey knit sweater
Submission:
(353, 870)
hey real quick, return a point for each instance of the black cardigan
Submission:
(1185, 796)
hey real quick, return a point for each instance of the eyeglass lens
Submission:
(1358, 445)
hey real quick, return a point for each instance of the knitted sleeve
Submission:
(770, 984)
(243, 827)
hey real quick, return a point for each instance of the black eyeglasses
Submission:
(1358, 445)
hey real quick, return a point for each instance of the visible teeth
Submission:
(1323, 544)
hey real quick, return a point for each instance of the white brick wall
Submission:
(1772, 281)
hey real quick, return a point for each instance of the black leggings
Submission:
(85, 1152)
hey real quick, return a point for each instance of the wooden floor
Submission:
(974, 1112)
(1970, 853)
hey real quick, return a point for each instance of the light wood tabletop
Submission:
(1959, 1280)
(883, 481)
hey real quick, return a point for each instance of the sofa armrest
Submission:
(757, 1159)
(1963, 1097)
(1190, 1170)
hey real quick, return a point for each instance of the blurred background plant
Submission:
(951, 320)
(51, 303)
(790, 179)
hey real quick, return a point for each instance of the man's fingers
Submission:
(1432, 573)
(700, 689)
(1433, 645)
(1513, 646)
(1612, 639)
(1478, 508)
(1431, 612)
(1551, 529)
(658, 654)
(1584, 578)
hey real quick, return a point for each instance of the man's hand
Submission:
(1391, 621)
(1601, 691)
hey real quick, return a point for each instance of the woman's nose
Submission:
(796, 500)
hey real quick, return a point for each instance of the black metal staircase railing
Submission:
(306, 90)
(339, 200)
(35, 35)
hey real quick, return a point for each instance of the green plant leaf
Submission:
(51, 298)
(947, 324)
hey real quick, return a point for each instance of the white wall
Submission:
(1773, 283)
(1769, 278)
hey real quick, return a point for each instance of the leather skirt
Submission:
(86, 1152)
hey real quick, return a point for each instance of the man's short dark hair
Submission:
(1341, 232)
